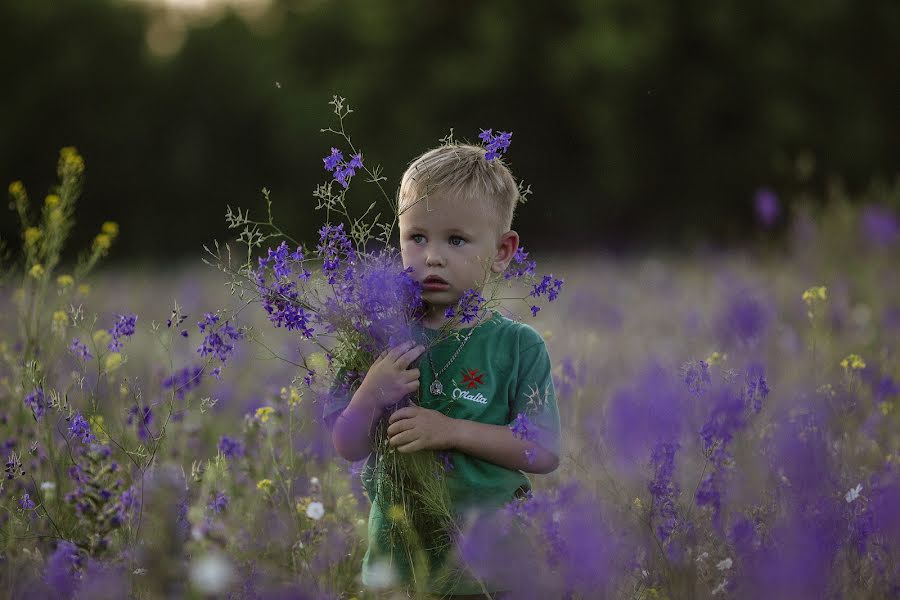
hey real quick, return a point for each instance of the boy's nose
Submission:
(434, 260)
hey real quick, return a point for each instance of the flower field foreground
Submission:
(730, 429)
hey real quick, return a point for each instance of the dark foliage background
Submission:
(635, 123)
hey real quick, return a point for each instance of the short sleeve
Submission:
(338, 396)
(535, 396)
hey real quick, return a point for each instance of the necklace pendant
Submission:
(436, 388)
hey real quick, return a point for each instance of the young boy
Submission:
(456, 210)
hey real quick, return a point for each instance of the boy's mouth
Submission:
(433, 283)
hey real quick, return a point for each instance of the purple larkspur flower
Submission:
(61, 572)
(766, 206)
(468, 306)
(183, 380)
(25, 502)
(494, 145)
(35, 401)
(335, 247)
(522, 428)
(520, 266)
(218, 503)
(333, 160)
(215, 343)
(230, 447)
(140, 417)
(757, 387)
(664, 489)
(549, 286)
(745, 318)
(81, 429)
(880, 225)
(123, 327)
(697, 377)
(80, 350)
(343, 171)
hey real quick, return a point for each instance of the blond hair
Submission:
(462, 171)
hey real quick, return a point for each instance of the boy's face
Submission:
(452, 246)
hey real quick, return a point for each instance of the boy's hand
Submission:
(415, 428)
(389, 378)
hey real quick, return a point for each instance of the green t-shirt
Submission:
(503, 370)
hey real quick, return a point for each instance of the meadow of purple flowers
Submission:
(730, 425)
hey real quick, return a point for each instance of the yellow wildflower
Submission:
(815, 294)
(853, 362)
(264, 413)
(32, 235)
(56, 216)
(84, 289)
(264, 485)
(292, 395)
(110, 228)
(70, 162)
(101, 337)
(317, 362)
(396, 513)
(37, 271)
(112, 361)
(60, 320)
(886, 408)
(102, 242)
(51, 201)
(16, 188)
(64, 280)
(716, 358)
(98, 429)
(638, 505)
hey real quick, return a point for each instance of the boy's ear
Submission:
(506, 249)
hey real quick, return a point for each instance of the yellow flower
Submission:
(98, 429)
(110, 228)
(396, 513)
(70, 162)
(815, 294)
(264, 413)
(716, 358)
(64, 280)
(56, 216)
(102, 242)
(886, 408)
(853, 362)
(102, 337)
(84, 289)
(32, 235)
(51, 201)
(264, 485)
(112, 361)
(60, 320)
(37, 271)
(16, 188)
(638, 505)
(292, 395)
(317, 362)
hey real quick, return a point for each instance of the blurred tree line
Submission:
(634, 122)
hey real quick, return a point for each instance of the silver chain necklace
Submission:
(436, 388)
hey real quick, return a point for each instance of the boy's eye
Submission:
(455, 240)
(417, 238)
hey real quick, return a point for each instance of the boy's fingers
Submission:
(412, 386)
(399, 349)
(401, 425)
(412, 375)
(405, 437)
(403, 413)
(408, 357)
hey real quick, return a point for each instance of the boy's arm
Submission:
(497, 444)
(352, 433)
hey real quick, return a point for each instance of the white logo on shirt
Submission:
(479, 398)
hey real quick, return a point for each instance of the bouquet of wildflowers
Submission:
(350, 299)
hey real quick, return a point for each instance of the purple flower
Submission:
(445, 460)
(495, 145)
(61, 570)
(664, 489)
(549, 286)
(880, 225)
(765, 203)
(183, 381)
(468, 306)
(123, 327)
(215, 341)
(521, 428)
(333, 160)
(140, 417)
(218, 503)
(35, 401)
(25, 502)
(520, 266)
(80, 349)
(82, 429)
(745, 318)
(230, 448)
(697, 377)
(534, 310)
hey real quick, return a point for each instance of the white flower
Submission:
(853, 494)
(720, 588)
(48, 486)
(724, 565)
(703, 556)
(315, 510)
(211, 574)
(382, 575)
(314, 481)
